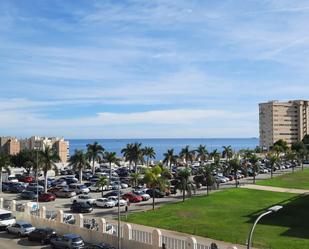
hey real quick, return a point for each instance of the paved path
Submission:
(276, 189)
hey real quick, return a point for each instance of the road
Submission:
(9, 241)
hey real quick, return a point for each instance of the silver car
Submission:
(21, 228)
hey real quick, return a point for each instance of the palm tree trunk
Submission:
(302, 165)
(183, 192)
(254, 177)
(207, 188)
(45, 182)
(93, 169)
(170, 164)
(80, 175)
(147, 162)
(135, 166)
(153, 199)
(271, 171)
(0, 180)
(102, 190)
(236, 180)
(110, 170)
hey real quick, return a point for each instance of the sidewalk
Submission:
(275, 189)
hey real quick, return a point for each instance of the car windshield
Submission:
(7, 216)
(78, 239)
(26, 225)
(82, 187)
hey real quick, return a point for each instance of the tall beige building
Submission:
(283, 120)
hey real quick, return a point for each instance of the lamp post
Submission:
(37, 180)
(269, 211)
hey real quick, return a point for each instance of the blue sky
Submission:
(148, 68)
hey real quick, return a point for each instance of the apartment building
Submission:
(283, 120)
(13, 146)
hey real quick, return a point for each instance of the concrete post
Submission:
(191, 243)
(1, 202)
(13, 205)
(79, 220)
(102, 225)
(59, 216)
(28, 208)
(43, 212)
(127, 231)
(156, 239)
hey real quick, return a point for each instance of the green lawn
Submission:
(228, 215)
(298, 179)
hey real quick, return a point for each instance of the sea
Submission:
(161, 145)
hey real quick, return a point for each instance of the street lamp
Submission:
(36, 176)
(271, 210)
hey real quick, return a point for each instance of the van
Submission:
(6, 218)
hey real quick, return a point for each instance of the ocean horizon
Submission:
(161, 145)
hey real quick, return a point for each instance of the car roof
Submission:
(22, 222)
(71, 236)
(5, 212)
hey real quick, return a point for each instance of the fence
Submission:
(97, 230)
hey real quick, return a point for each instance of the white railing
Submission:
(141, 236)
(201, 246)
(173, 243)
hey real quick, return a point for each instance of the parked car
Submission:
(6, 218)
(12, 179)
(157, 193)
(79, 188)
(104, 202)
(65, 193)
(113, 193)
(83, 199)
(143, 194)
(26, 179)
(21, 228)
(81, 207)
(16, 187)
(100, 246)
(28, 195)
(132, 197)
(122, 202)
(95, 188)
(67, 241)
(42, 235)
(69, 218)
(35, 188)
(47, 197)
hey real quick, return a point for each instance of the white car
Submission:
(94, 188)
(12, 179)
(79, 188)
(83, 199)
(122, 202)
(104, 202)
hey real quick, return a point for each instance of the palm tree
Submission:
(128, 154)
(202, 154)
(208, 173)
(234, 166)
(49, 158)
(134, 178)
(4, 164)
(300, 149)
(149, 153)
(133, 153)
(291, 156)
(215, 155)
(94, 152)
(155, 181)
(255, 166)
(170, 158)
(184, 183)
(79, 161)
(101, 183)
(273, 159)
(111, 157)
(187, 154)
(227, 152)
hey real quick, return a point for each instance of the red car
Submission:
(132, 197)
(46, 197)
(27, 179)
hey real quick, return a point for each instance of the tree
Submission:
(111, 157)
(234, 165)
(184, 183)
(170, 158)
(101, 183)
(202, 154)
(272, 159)
(149, 153)
(258, 149)
(227, 152)
(94, 152)
(255, 164)
(4, 165)
(133, 153)
(290, 155)
(135, 178)
(305, 140)
(208, 173)
(79, 162)
(215, 155)
(49, 158)
(26, 159)
(187, 154)
(300, 149)
(280, 146)
(154, 180)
